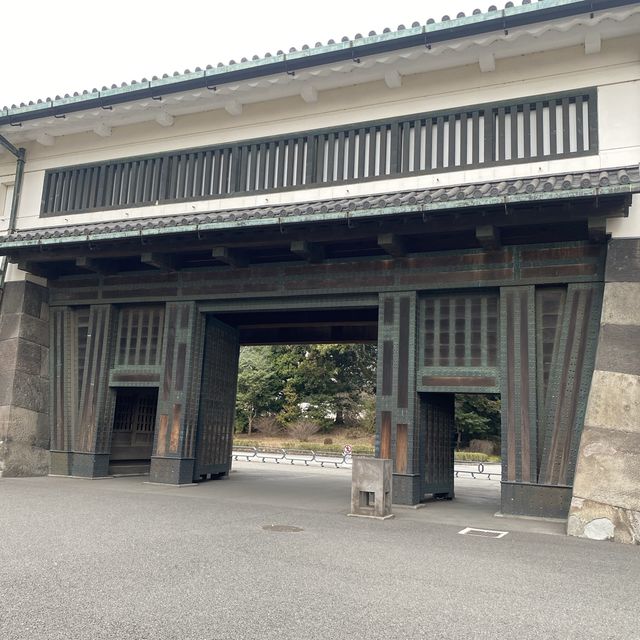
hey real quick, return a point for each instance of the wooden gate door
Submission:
(438, 417)
(216, 415)
(133, 424)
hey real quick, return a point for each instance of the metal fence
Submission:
(337, 460)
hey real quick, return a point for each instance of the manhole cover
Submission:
(287, 528)
(483, 533)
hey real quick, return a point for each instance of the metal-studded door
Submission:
(133, 424)
(437, 411)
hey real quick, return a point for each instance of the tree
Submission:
(477, 416)
(259, 388)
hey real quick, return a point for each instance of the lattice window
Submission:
(139, 337)
(460, 330)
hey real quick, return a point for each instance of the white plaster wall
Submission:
(627, 227)
(615, 70)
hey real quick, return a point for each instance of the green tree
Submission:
(259, 388)
(477, 416)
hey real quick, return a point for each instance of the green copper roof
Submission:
(432, 32)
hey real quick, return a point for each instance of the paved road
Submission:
(121, 559)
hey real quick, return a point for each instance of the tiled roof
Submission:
(543, 188)
(432, 31)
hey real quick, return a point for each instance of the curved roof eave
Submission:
(430, 33)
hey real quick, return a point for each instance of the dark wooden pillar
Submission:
(82, 341)
(217, 400)
(397, 426)
(547, 352)
(173, 457)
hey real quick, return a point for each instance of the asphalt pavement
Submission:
(118, 558)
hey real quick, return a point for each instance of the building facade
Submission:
(462, 193)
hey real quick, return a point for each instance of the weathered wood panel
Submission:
(518, 386)
(568, 385)
(559, 263)
(177, 400)
(397, 380)
(217, 399)
(438, 425)
(364, 151)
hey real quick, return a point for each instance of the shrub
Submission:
(327, 441)
(303, 429)
(267, 425)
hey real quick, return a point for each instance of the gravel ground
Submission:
(118, 558)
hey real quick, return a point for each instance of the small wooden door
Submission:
(438, 415)
(133, 424)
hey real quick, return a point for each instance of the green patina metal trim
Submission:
(7, 245)
(435, 29)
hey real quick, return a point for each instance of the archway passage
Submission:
(226, 332)
(134, 424)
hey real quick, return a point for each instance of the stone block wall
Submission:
(606, 495)
(24, 380)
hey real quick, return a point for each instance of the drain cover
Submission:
(483, 533)
(286, 528)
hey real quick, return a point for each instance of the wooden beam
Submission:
(488, 236)
(393, 79)
(160, 261)
(35, 268)
(487, 62)
(90, 264)
(592, 43)
(164, 119)
(307, 250)
(102, 130)
(45, 139)
(392, 244)
(229, 256)
(233, 108)
(309, 93)
(597, 229)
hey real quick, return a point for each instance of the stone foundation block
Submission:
(598, 521)
(171, 470)
(371, 487)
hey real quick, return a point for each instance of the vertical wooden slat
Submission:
(280, 169)
(579, 124)
(452, 140)
(526, 116)
(566, 126)
(319, 162)
(331, 156)
(439, 143)
(310, 168)
(351, 158)
(539, 129)
(501, 135)
(394, 149)
(406, 146)
(362, 142)
(290, 161)
(553, 128)
(373, 151)
(464, 127)
(382, 153)
(300, 166)
(270, 169)
(513, 111)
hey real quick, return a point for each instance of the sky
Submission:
(52, 48)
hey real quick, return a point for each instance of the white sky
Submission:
(50, 48)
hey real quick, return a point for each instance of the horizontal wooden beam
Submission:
(231, 257)
(488, 236)
(96, 266)
(35, 268)
(393, 244)
(161, 261)
(597, 229)
(307, 250)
